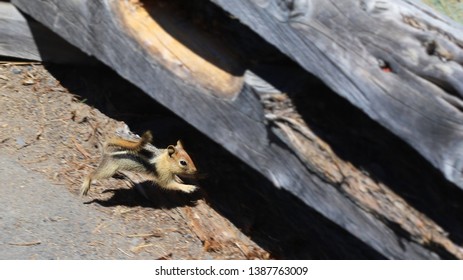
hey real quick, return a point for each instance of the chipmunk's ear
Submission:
(179, 144)
(171, 150)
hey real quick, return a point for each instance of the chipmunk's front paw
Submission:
(189, 188)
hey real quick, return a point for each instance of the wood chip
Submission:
(125, 253)
(32, 243)
(28, 82)
(81, 149)
(165, 257)
(145, 235)
(138, 248)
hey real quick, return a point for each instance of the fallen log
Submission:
(398, 61)
(238, 90)
(24, 38)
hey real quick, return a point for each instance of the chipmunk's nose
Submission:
(193, 169)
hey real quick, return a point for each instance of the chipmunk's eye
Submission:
(182, 162)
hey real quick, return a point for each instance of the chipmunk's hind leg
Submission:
(103, 171)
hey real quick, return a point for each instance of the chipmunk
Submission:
(163, 166)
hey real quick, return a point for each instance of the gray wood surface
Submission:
(217, 92)
(348, 44)
(24, 38)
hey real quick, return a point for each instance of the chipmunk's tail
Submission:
(135, 146)
(146, 138)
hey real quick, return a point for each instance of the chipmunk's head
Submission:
(181, 162)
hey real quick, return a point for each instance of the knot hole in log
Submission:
(436, 41)
(287, 10)
(182, 44)
(375, 7)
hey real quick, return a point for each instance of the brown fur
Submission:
(135, 146)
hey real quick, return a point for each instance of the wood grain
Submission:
(398, 61)
(23, 38)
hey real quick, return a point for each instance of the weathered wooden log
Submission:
(24, 38)
(230, 85)
(398, 61)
